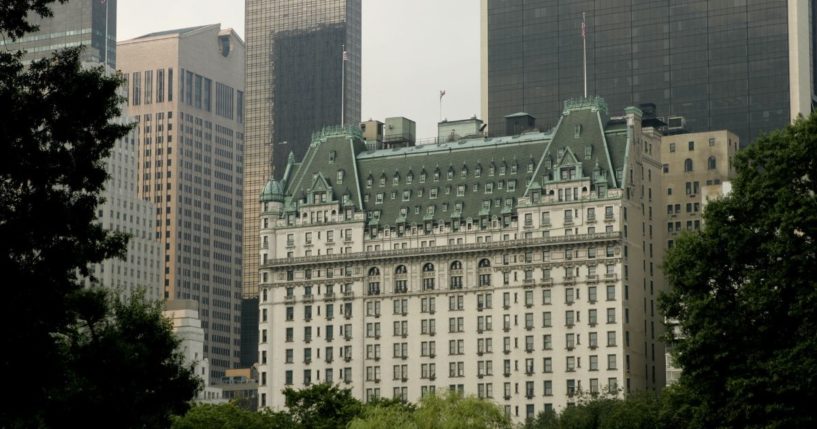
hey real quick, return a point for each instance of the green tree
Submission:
(322, 406)
(449, 411)
(230, 416)
(124, 365)
(55, 133)
(744, 292)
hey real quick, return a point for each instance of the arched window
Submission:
(401, 269)
(428, 268)
(484, 275)
(428, 276)
(688, 165)
(711, 163)
(374, 271)
(455, 281)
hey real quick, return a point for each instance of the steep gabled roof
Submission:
(470, 178)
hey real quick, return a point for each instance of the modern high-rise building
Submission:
(524, 269)
(92, 24)
(186, 95)
(303, 73)
(125, 211)
(87, 23)
(746, 66)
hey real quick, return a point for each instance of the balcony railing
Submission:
(442, 250)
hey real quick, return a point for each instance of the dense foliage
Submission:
(449, 411)
(75, 358)
(328, 406)
(744, 292)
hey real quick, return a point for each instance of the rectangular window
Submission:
(239, 106)
(224, 100)
(170, 84)
(208, 89)
(188, 87)
(137, 89)
(148, 86)
(160, 86)
(197, 91)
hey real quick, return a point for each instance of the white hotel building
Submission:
(523, 268)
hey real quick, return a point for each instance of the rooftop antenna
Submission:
(584, 48)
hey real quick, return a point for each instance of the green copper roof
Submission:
(469, 178)
(272, 192)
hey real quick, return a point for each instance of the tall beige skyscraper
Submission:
(185, 91)
(303, 73)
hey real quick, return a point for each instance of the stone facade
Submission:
(522, 269)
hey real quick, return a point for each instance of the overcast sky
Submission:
(412, 49)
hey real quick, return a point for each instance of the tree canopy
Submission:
(744, 292)
(322, 406)
(73, 355)
(230, 416)
(448, 411)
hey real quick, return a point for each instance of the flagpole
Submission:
(343, 86)
(584, 48)
(442, 94)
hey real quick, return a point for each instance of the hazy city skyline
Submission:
(411, 51)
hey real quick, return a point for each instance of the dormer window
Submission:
(410, 178)
(332, 155)
(340, 177)
(568, 173)
(369, 181)
(577, 131)
(513, 168)
(382, 180)
(502, 169)
(423, 176)
(395, 180)
(437, 175)
(492, 170)
(530, 166)
(450, 173)
(478, 171)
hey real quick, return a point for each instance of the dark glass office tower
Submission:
(75, 23)
(295, 64)
(743, 65)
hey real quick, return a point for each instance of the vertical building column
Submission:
(800, 54)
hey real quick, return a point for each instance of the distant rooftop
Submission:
(176, 31)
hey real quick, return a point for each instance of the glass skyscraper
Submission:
(295, 65)
(89, 23)
(742, 65)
